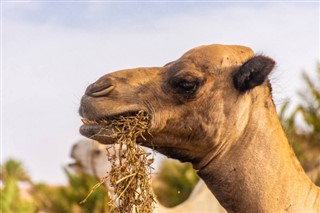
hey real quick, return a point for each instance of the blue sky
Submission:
(52, 50)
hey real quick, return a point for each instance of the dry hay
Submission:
(130, 174)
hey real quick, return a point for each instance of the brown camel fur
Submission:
(212, 107)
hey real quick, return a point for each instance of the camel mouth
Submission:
(100, 128)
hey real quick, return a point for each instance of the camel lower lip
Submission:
(97, 132)
(89, 130)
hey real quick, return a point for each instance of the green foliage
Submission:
(174, 183)
(12, 173)
(65, 199)
(13, 169)
(305, 142)
(53, 199)
(310, 108)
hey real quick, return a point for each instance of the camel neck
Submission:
(260, 173)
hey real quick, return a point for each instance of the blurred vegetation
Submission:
(12, 172)
(174, 182)
(302, 126)
(41, 197)
(67, 199)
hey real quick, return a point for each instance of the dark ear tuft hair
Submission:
(253, 73)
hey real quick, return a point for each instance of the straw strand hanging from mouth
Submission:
(130, 173)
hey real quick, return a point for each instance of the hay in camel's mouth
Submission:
(130, 173)
(102, 129)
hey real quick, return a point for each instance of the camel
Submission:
(212, 107)
(91, 158)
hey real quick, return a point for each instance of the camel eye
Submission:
(184, 86)
(187, 86)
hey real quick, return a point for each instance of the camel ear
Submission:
(253, 73)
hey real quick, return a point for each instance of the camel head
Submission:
(197, 104)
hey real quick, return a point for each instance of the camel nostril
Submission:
(100, 91)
